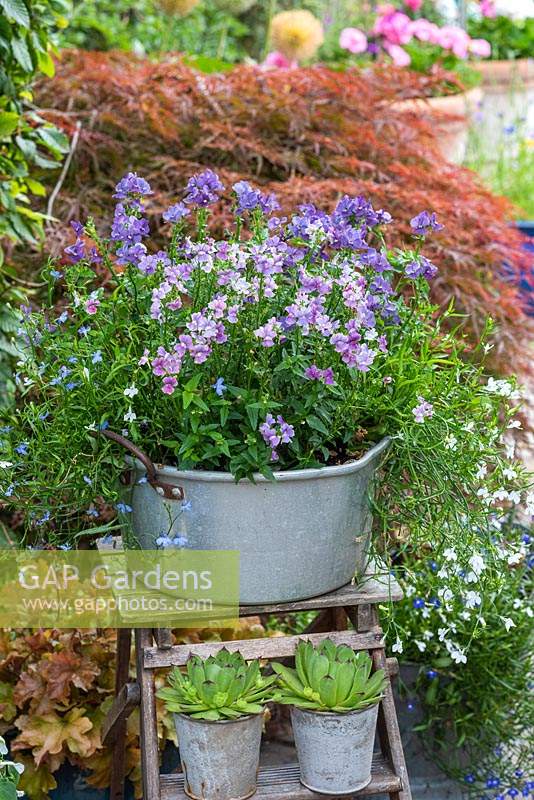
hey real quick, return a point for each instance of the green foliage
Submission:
(209, 32)
(329, 678)
(220, 687)
(10, 773)
(26, 33)
(509, 38)
(427, 56)
(10, 298)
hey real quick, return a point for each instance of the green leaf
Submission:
(8, 789)
(54, 139)
(9, 121)
(21, 53)
(17, 10)
(316, 424)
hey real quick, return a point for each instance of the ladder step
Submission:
(282, 783)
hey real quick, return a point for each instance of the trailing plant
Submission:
(472, 699)
(329, 678)
(219, 687)
(27, 141)
(308, 135)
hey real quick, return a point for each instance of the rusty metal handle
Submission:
(164, 489)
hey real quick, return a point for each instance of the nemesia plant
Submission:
(289, 343)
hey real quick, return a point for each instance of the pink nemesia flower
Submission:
(414, 5)
(91, 305)
(395, 27)
(278, 61)
(169, 384)
(455, 39)
(400, 57)
(353, 39)
(480, 48)
(425, 31)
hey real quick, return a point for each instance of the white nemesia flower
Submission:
(131, 391)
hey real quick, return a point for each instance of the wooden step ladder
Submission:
(155, 649)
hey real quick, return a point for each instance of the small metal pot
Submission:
(220, 759)
(334, 750)
(304, 534)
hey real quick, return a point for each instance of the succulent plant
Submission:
(329, 678)
(220, 687)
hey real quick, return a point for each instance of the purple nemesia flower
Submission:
(77, 227)
(249, 198)
(313, 373)
(75, 251)
(203, 189)
(128, 228)
(149, 264)
(219, 386)
(424, 222)
(268, 332)
(421, 268)
(175, 213)
(132, 186)
(276, 433)
(130, 253)
(422, 410)
(169, 384)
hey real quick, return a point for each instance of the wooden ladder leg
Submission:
(118, 764)
(147, 719)
(388, 732)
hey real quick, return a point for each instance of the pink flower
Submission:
(480, 48)
(487, 8)
(395, 27)
(414, 5)
(354, 40)
(91, 305)
(454, 39)
(278, 60)
(425, 31)
(400, 57)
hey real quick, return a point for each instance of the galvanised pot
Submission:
(220, 760)
(334, 750)
(304, 534)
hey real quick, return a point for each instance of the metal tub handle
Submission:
(166, 490)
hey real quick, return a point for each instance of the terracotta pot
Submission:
(507, 73)
(451, 117)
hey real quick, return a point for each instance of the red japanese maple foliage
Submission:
(308, 134)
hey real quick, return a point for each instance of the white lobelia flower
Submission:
(472, 599)
(458, 656)
(515, 558)
(5, 464)
(482, 470)
(130, 415)
(442, 633)
(508, 623)
(428, 635)
(529, 503)
(445, 594)
(529, 612)
(397, 647)
(510, 449)
(477, 564)
(465, 615)
(450, 554)
(514, 497)
(451, 442)
(509, 473)
(420, 645)
(131, 391)
(500, 494)
(514, 423)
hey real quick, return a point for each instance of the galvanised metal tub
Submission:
(304, 534)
